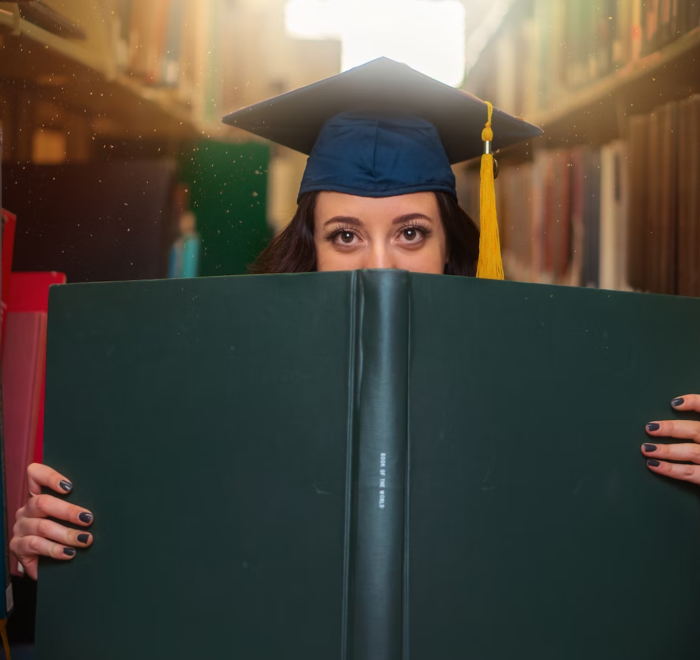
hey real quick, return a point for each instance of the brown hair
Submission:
(294, 250)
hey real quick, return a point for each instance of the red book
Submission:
(9, 222)
(30, 293)
(22, 376)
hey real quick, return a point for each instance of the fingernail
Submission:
(85, 517)
(66, 485)
(653, 426)
(83, 538)
(647, 447)
(678, 402)
(69, 551)
(653, 462)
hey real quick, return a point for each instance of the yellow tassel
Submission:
(490, 265)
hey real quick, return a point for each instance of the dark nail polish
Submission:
(647, 447)
(66, 485)
(83, 538)
(653, 462)
(653, 426)
(678, 402)
(69, 551)
(85, 517)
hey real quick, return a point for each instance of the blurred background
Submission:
(115, 163)
(117, 166)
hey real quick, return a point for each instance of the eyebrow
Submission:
(350, 220)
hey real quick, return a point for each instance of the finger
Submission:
(42, 475)
(28, 547)
(687, 402)
(689, 473)
(51, 530)
(31, 567)
(683, 429)
(679, 452)
(48, 506)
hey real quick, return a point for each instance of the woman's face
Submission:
(402, 232)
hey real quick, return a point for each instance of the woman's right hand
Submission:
(35, 534)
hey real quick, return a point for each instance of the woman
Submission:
(378, 192)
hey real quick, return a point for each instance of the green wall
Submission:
(228, 184)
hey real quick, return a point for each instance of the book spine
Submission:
(6, 603)
(380, 441)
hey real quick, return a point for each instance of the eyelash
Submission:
(426, 230)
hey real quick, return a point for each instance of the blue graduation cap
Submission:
(384, 129)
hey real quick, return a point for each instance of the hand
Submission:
(35, 534)
(677, 428)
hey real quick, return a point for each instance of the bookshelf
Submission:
(594, 111)
(83, 75)
(608, 195)
(670, 73)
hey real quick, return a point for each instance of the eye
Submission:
(413, 234)
(343, 236)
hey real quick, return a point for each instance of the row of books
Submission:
(600, 37)
(556, 47)
(664, 234)
(622, 216)
(179, 44)
(149, 38)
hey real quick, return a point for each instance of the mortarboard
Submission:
(384, 129)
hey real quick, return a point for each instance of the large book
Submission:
(369, 465)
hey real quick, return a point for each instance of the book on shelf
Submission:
(22, 388)
(565, 46)
(638, 228)
(23, 384)
(614, 216)
(30, 294)
(8, 227)
(7, 595)
(182, 45)
(689, 197)
(340, 441)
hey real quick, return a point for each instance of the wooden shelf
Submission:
(598, 112)
(9, 16)
(83, 76)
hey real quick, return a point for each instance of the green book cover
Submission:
(369, 466)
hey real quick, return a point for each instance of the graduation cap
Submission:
(384, 129)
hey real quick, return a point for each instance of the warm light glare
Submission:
(425, 34)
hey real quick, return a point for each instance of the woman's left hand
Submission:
(683, 430)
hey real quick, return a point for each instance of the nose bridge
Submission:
(380, 256)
